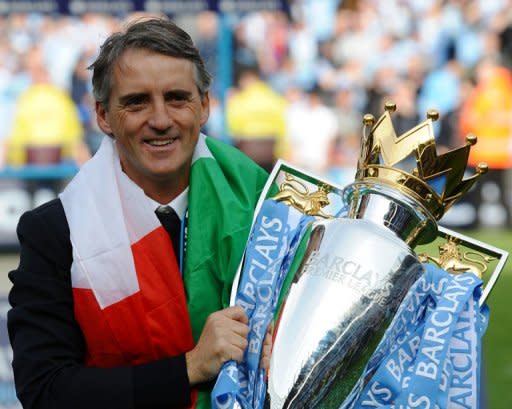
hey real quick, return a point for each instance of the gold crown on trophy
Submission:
(411, 164)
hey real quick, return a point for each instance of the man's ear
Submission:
(102, 118)
(205, 102)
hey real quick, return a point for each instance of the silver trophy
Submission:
(354, 271)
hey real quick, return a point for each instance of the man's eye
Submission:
(134, 103)
(177, 99)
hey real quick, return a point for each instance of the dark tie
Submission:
(172, 224)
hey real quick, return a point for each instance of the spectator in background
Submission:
(449, 136)
(207, 43)
(20, 69)
(469, 42)
(275, 45)
(82, 97)
(255, 116)
(80, 80)
(487, 114)
(349, 118)
(312, 130)
(505, 42)
(343, 160)
(320, 16)
(385, 81)
(463, 214)
(45, 118)
(404, 96)
(440, 89)
(45, 130)
(346, 148)
(243, 54)
(303, 52)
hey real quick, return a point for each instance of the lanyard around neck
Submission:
(183, 242)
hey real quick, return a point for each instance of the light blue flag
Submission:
(274, 239)
(429, 356)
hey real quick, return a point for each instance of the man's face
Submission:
(155, 114)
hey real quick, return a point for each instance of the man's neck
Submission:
(163, 190)
(165, 193)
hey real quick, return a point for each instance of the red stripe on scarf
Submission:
(150, 324)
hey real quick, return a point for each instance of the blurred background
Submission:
(292, 80)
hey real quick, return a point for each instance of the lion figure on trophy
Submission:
(295, 193)
(454, 261)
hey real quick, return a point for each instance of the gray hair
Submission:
(155, 34)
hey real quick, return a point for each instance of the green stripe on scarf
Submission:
(222, 197)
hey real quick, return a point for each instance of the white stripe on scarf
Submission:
(106, 214)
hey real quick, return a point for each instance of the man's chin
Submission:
(167, 173)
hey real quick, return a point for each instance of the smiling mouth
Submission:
(160, 142)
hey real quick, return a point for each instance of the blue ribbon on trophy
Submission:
(274, 239)
(430, 354)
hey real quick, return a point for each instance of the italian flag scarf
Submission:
(131, 301)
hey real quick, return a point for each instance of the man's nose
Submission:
(160, 117)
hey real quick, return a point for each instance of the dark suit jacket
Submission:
(48, 345)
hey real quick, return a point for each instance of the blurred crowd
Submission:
(302, 80)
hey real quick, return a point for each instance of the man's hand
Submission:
(224, 338)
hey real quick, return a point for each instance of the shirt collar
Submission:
(179, 204)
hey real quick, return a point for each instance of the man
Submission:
(102, 314)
